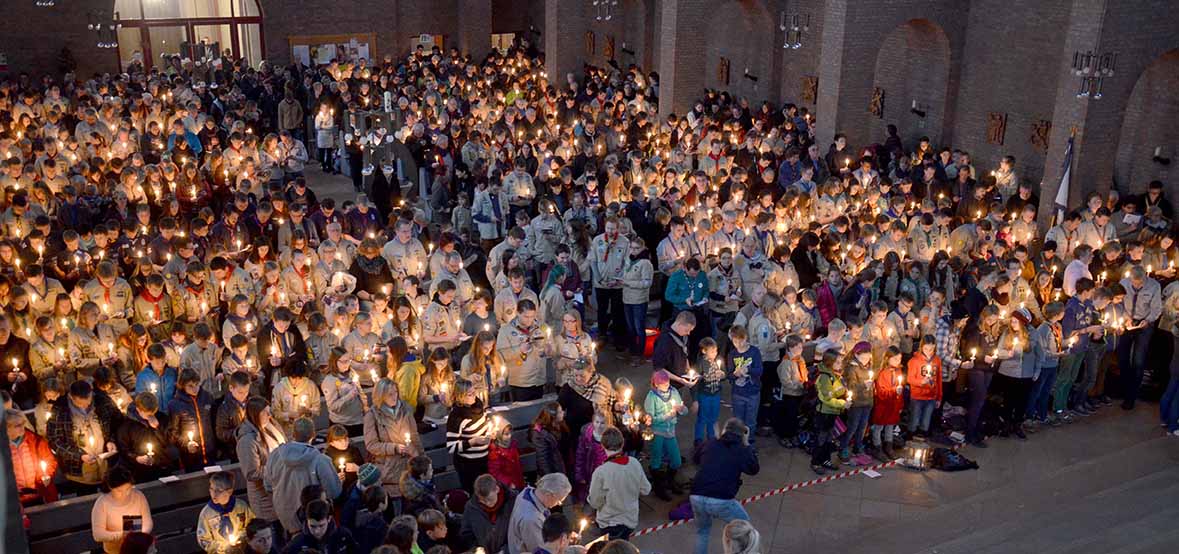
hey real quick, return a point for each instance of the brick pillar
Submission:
(831, 70)
(474, 36)
(681, 54)
(1084, 28)
(564, 39)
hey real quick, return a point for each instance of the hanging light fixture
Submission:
(799, 23)
(45, 3)
(106, 32)
(1092, 68)
(604, 9)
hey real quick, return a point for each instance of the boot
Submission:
(672, 485)
(659, 485)
(889, 452)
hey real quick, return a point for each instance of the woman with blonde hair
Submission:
(573, 346)
(740, 537)
(391, 436)
(436, 391)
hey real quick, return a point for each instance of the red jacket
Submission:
(504, 465)
(925, 384)
(889, 397)
(26, 466)
(827, 304)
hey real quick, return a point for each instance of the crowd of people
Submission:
(175, 294)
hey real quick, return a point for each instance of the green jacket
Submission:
(832, 394)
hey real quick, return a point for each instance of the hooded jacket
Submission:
(289, 469)
(252, 453)
(722, 461)
(336, 540)
(488, 529)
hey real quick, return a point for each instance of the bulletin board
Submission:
(313, 50)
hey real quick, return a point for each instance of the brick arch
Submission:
(743, 32)
(1151, 110)
(913, 63)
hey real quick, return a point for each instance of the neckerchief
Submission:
(154, 301)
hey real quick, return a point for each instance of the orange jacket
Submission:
(925, 377)
(26, 466)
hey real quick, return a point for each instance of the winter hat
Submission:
(368, 475)
(660, 377)
(1023, 315)
(862, 346)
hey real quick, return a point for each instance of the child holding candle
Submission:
(590, 454)
(346, 458)
(664, 405)
(142, 439)
(346, 402)
(503, 460)
(437, 388)
(792, 384)
(859, 374)
(833, 400)
(294, 396)
(222, 522)
(158, 377)
(122, 510)
(707, 390)
(744, 367)
(190, 416)
(888, 400)
(925, 386)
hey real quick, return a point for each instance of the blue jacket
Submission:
(749, 385)
(165, 384)
(1076, 316)
(721, 461)
(194, 143)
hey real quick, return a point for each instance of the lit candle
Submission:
(973, 354)
(303, 400)
(407, 441)
(150, 449)
(340, 463)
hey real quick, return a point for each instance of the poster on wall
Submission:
(315, 50)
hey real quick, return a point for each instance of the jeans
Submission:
(617, 532)
(857, 425)
(1169, 405)
(1070, 364)
(785, 416)
(745, 409)
(1015, 399)
(1041, 393)
(610, 319)
(979, 382)
(705, 509)
(1132, 348)
(706, 417)
(920, 414)
(665, 447)
(636, 326)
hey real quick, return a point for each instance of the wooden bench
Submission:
(64, 526)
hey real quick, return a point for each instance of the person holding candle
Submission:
(924, 377)
(982, 338)
(1077, 329)
(18, 373)
(390, 436)
(888, 399)
(442, 320)
(469, 432)
(294, 396)
(346, 458)
(1017, 366)
(572, 345)
(113, 293)
(508, 298)
(664, 406)
(484, 367)
(833, 401)
(190, 429)
(223, 520)
(436, 388)
(525, 352)
(1144, 305)
(157, 377)
(143, 439)
(91, 343)
(33, 463)
(346, 402)
(280, 345)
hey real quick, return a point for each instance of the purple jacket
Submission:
(590, 455)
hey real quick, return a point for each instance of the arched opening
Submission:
(740, 31)
(913, 65)
(200, 30)
(1149, 124)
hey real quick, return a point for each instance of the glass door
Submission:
(167, 40)
(208, 41)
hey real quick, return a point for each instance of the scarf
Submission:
(620, 459)
(225, 511)
(154, 301)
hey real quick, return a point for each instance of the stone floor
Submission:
(1108, 483)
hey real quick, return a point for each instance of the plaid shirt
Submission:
(947, 348)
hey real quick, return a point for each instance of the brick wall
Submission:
(1151, 113)
(32, 37)
(804, 61)
(913, 64)
(742, 31)
(1010, 75)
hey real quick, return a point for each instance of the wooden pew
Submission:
(64, 526)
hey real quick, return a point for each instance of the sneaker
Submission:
(1105, 400)
(844, 455)
(1019, 433)
(818, 469)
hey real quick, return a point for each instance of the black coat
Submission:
(132, 439)
(296, 351)
(489, 531)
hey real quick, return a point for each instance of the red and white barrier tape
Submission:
(775, 492)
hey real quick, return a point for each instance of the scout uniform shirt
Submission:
(114, 302)
(522, 349)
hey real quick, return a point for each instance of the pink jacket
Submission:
(590, 455)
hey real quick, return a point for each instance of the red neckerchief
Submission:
(609, 247)
(154, 301)
(106, 291)
(621, 459)
(302, 279)
(198, 290)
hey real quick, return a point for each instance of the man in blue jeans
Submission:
(721, 462)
